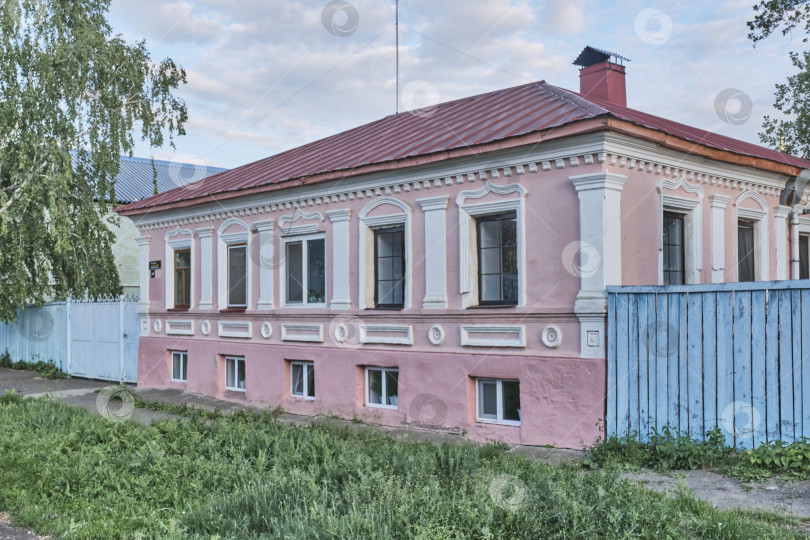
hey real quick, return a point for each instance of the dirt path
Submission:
(791, 499)
(7, 532)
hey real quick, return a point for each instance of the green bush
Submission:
(776, 457)
(74, 475)
(49, 370)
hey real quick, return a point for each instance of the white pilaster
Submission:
(795, 261)
(600, 232)
(266, 259)
(341, 298)
(143, 247)
(718, 205)
(781, 214)
(435, 209)
(206, 235)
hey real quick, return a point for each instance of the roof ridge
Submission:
(168, 163)
(574, 99)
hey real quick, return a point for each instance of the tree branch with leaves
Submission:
(73, 98)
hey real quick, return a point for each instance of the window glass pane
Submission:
(237, 276)
(489, 234)
(295, 284)
(240, 375)
(510, 391)
(804, 257)
(509, 256)
(310, 380)
(487, 399)
(398, 289)
(510, 287)
(182, 259)
(509, 232)
(230, 380)
(176, 368)
(316, 276)
(490, 288)
(185, 366)
(745, 251)
(375, 386)
(385, 269)
(490, 261)
(398, 267)
(385, 241)
(392, 387)
(385, 292)
(297, 379)
(179, 289)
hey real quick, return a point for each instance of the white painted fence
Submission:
(96, 339)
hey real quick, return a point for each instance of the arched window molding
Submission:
(692, 210)
(468, 211)
(366, 247)
(223, 241)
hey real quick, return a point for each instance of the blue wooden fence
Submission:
(96, 339)
(692, 357)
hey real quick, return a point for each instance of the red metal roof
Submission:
(465, 122)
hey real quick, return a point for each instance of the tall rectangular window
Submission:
(303, 379)
(804, 257)
(497, 259)
(182, 278)
(673, 249)
(382, 387)
(498, 401)
(306, 271)
(746, 269)
(237, 276)
(179, 366)
(389, 267)
(235, 373)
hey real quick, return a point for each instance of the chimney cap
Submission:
(591, 55)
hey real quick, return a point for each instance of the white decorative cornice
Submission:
(760, 200)
(488, 188)
(680, 183)
(177, 231)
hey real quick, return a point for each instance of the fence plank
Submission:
(623, 358)
(796, 323)
(683, 365)
(785, 367)
(610, 420)
(652, 344)
(695, 364)
(661, 345)
(758, 377)
(632, 367)
(773, 428)
(643, 372)
(805, 361)
(671, 347)
(725, 361)
(709, 331)
(743, 434)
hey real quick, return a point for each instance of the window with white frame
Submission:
(237, 276)
(753, 260)
(384, 244)
(673, 243)
(178, 283)
(303, 379)
(498, 400)
(382, 387)
(182, 278)
(804, 256)
(305, 268)
(680, 244)
(235, 373)
(179, 366)
(746, 260)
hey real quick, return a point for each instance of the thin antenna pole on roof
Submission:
(397, 32)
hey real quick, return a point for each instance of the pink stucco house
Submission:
(447, 267)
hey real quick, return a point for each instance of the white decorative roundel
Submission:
(267, 330)
(436, 335)
(205, 328)
(157, 325)
(341, 333)
(551, 336)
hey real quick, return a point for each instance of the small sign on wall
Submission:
(154, 265)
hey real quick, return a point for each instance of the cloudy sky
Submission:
(268, 75)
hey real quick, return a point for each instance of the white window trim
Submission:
(176, 244)
(236, 359)
(384, 389)
(760, 219)
(184, 364)
(366, 260)
(499, 402)
(223, 242)
(468, 271)
(304, 252)
(306, 365)
(692, 210)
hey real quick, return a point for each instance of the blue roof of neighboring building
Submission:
(135, 180)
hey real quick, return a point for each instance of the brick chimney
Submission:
(602, 75)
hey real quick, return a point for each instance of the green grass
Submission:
(68, 473)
